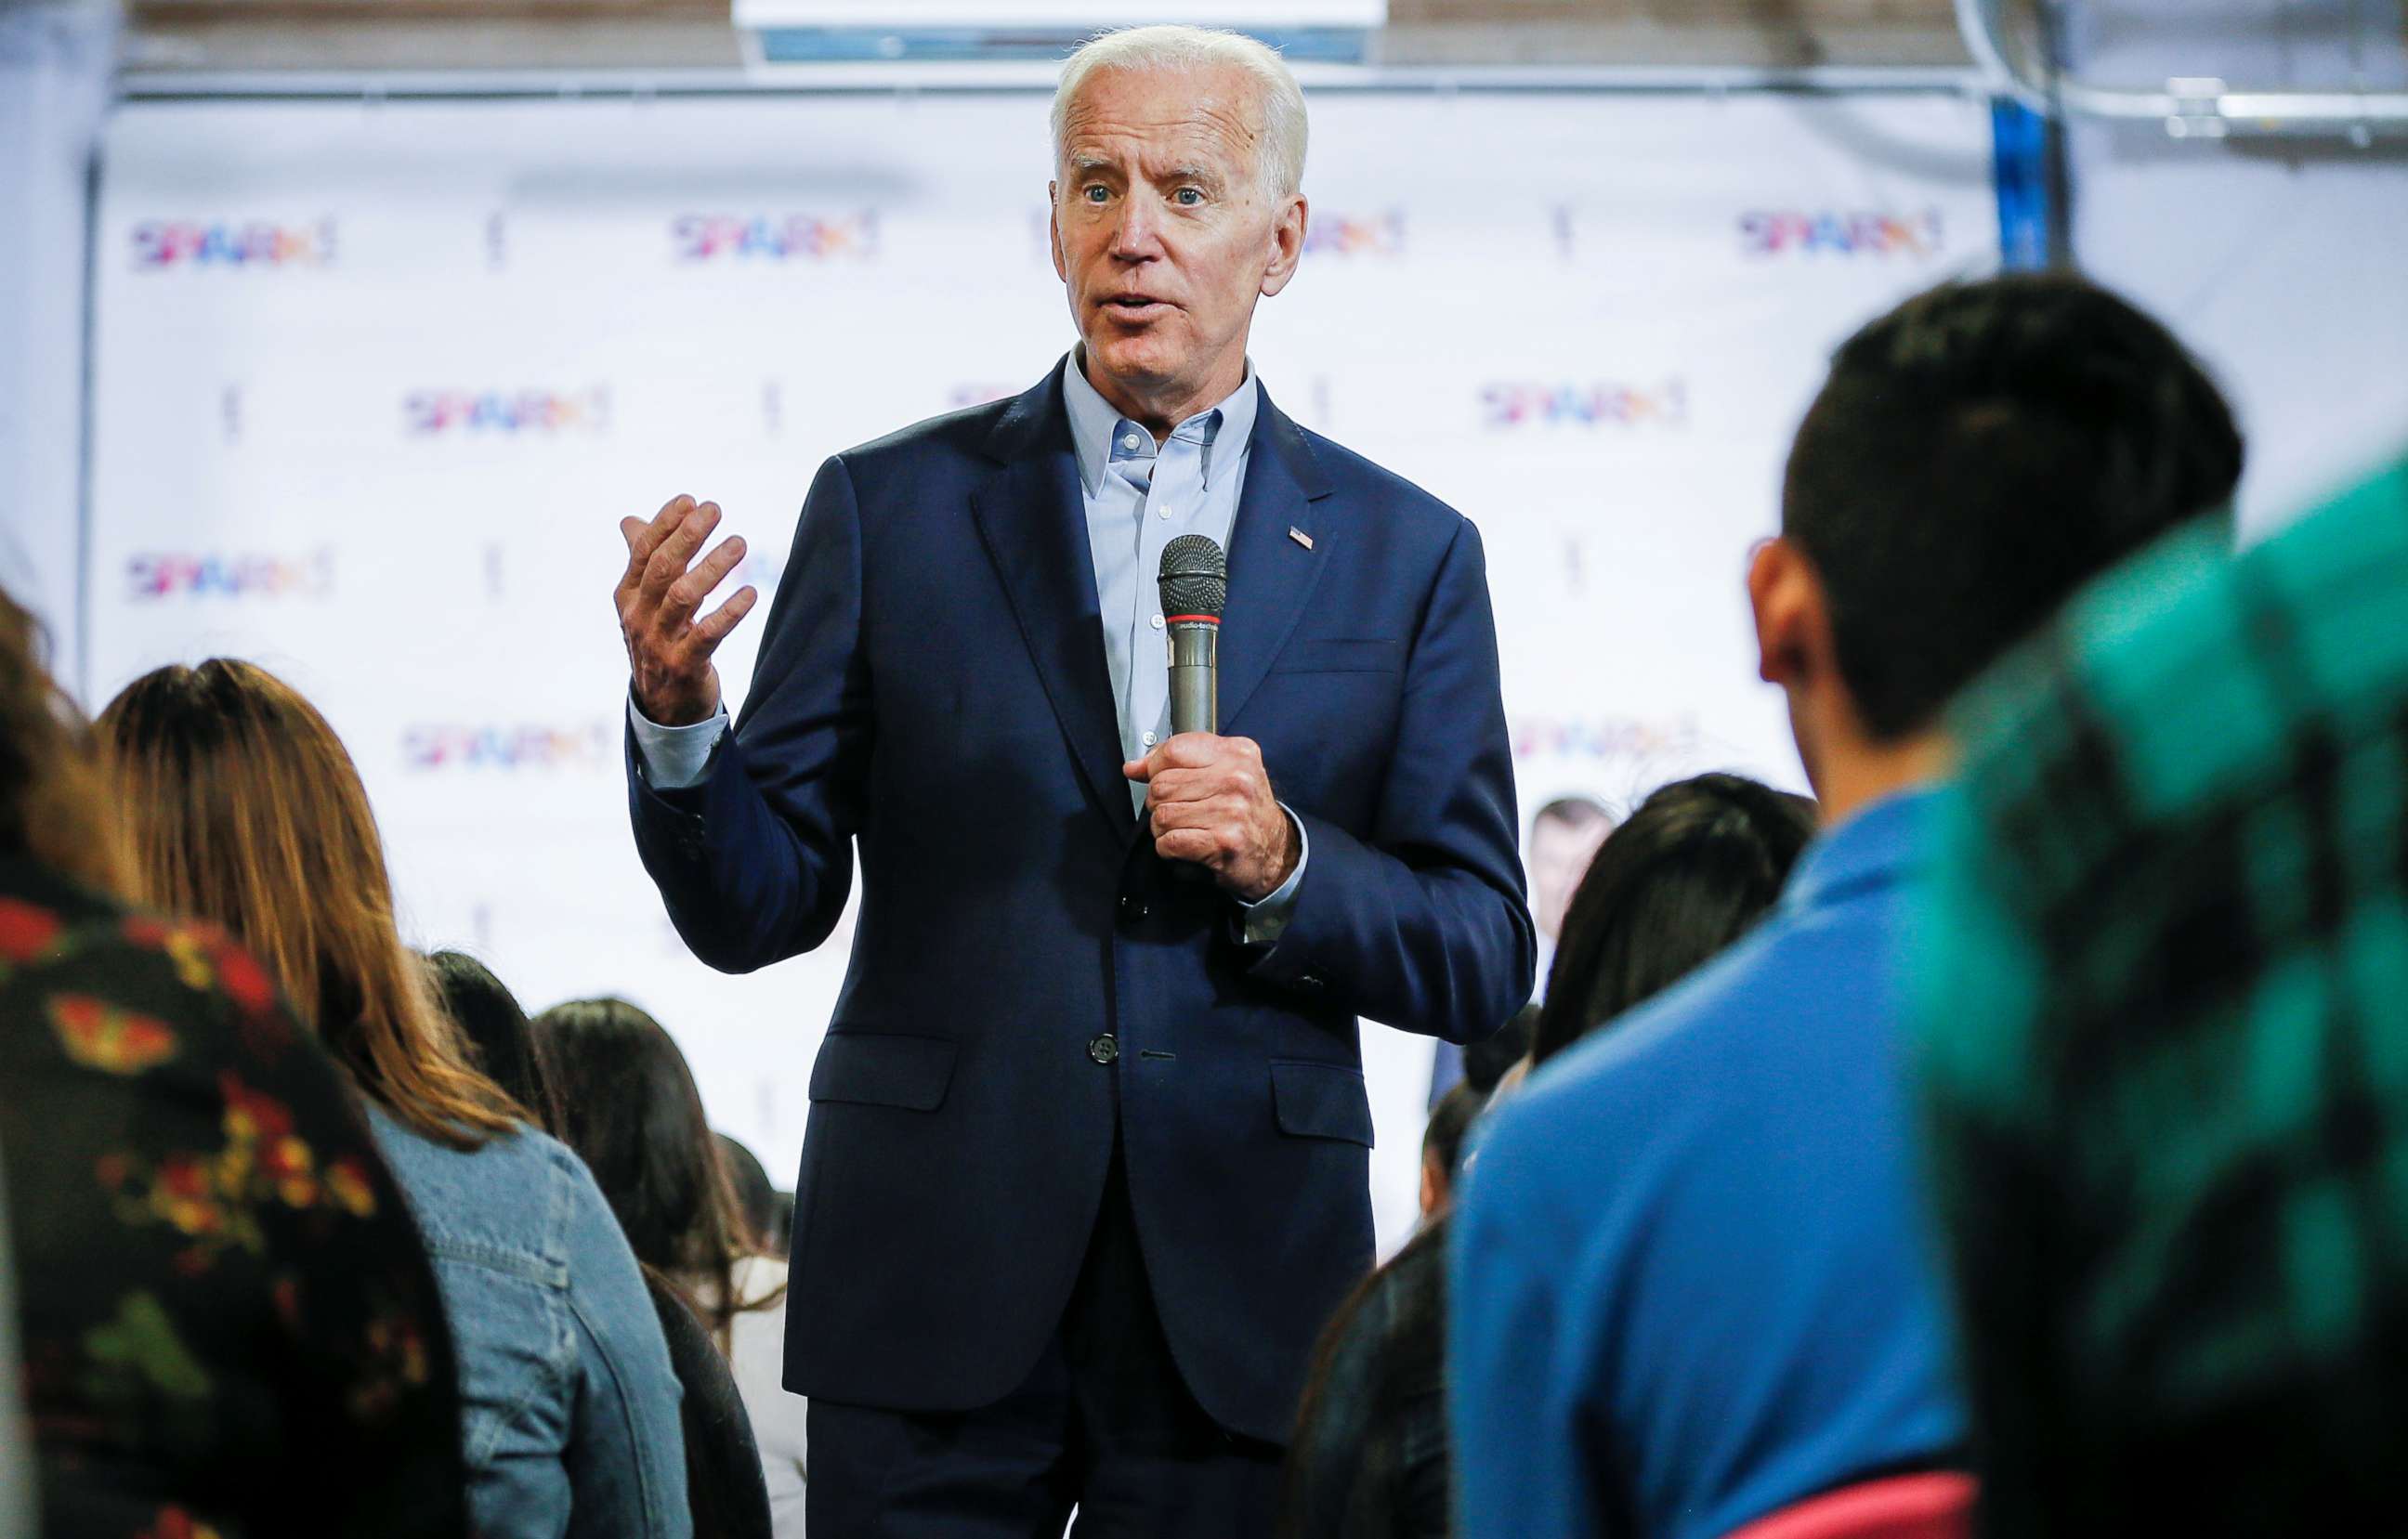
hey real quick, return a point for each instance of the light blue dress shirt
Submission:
(1138, 496)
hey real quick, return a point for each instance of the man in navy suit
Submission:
(1087, 1166)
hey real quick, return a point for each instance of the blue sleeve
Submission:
(626, 1446)
(1424, 925)
(755, 860)
(1513, 1400)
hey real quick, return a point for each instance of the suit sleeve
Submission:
(1423, 925)
(755, 861)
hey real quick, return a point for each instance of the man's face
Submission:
(1560, 851)
(1164, 232)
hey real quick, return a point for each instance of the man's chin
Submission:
(1138, 360)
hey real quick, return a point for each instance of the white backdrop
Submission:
(375, 384)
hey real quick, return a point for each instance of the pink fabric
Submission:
(1908, 1506)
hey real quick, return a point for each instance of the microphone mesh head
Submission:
(1195, 577)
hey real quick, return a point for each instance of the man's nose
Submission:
(1138, 234)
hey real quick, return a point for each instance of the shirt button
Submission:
(1149, 740)
(1157, 623)
(1103, 1049)
(1166, 511)
(1128, 440)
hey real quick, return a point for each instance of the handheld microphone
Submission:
(1193, 585)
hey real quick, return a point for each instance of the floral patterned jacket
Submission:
(230, 1326)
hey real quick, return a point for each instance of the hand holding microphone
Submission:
(1208, 798)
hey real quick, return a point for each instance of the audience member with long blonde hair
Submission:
(245, 811)
(228, 1321)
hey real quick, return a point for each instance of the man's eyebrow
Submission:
(1089, 165)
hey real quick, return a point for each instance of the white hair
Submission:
(1276, 97)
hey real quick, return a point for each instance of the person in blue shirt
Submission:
(1690, 1284)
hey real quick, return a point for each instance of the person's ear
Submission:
(1287, 244)
(1793, 619)
(1053, 229)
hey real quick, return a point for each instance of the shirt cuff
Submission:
(1266, 918)
(675, 758)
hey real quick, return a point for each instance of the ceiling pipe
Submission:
(2188, 107)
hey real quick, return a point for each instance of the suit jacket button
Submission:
(1132, 908)
(1311, 980)
(1104, 1048)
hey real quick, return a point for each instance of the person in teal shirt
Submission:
(2164, 990)
(1690, 1276)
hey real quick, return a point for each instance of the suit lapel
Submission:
(1271, 573)
(1031, 516)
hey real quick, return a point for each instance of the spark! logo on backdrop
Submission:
(160, 243)
(1859, 232)
(1507, 405)
(774, 237)
(155, 576)
(436, 746)
(502, 413)
(1380, 234)
(1604, 736)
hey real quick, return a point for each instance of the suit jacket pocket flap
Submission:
(880, 1069)
(1321, 1100)
(1338, 655)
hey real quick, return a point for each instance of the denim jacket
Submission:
(568, 1406)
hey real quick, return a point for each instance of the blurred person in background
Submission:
(1693, 1283)
(1564, 836)
(1693, 867)
(2163, 1015)
(496, 1026)
(724, 1490)
(1443, 1148)
(629, 1105)
(1088, 1158)
(245, 811)
(16, 1443)
(227, 1320)
(765, 1214)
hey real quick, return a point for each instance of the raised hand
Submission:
(668, 651)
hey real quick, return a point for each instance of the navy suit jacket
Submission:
(932, 688)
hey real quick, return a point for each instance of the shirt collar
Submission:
(1096, 424)
(1883, 843)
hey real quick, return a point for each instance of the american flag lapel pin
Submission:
(1299, 536)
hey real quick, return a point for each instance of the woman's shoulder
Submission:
(520, 1191)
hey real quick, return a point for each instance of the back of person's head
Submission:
(1442, 1145)
(1486, 1060)
(1369, 1456)
(54, 804)
(1680, 879)
(1978, 454)
(757, 1199)
(244, 809)
(490, 1017)
(628, 1105)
